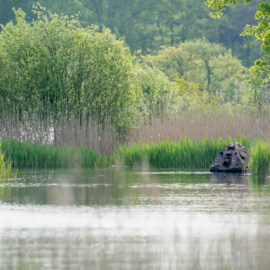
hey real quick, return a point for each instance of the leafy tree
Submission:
(55, 67)
(158, 92)
(59, 65)
(149, 24)
(219, 5)
(246, 48)
(200, 62)
(260, 72)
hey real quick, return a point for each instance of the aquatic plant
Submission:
(36, 155)
(185, 153)
(5, 167)
(260, 158)
(182, 154)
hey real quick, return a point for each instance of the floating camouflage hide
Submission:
(233, 158)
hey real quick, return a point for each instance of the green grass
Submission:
(260, 161)
(23, 155)
(5, 168)
(163, 154)
(183, 154)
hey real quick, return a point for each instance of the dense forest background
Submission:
(149, 24)
(103, 72)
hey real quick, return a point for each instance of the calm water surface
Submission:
(134, 219)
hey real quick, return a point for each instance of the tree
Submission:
(260, 72)
(158, 92)
(219, 5)
(200, 62)
(54, 64)
(149, 24)
(246, 48)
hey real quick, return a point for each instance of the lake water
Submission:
(134, 219)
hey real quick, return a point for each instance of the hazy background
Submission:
(149, 24)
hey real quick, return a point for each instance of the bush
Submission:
(55, 65)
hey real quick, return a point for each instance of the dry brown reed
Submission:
(201, 124)
(65, 132)
(197, 125)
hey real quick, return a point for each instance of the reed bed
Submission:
(182, 154)
(204, 123)
(185, 153)
(188, 153)
(260, 161)
(36, 155)
(189, 139)
(63, 132)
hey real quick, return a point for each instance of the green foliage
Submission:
(190, 89)
(54, 67)
(200, 62)
(5, 167)
(157, 91)
(183, 154)
(219, 5)
(35, 155)
(55, 63)
(259, 73)
(260, 160)
(150, 24)
(164, 154)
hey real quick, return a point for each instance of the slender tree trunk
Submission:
(208, 74)
(172, 37)
(248, 54)
(160, 32)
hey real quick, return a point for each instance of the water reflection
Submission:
(230, 178)
(134, 219)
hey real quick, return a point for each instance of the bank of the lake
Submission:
(163, 154)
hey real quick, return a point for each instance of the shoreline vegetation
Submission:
(183, 154)
(77, 97)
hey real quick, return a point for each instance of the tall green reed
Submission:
(5, 168)
(182, 154)
(260, 158)
(24, 155)
(164, 154)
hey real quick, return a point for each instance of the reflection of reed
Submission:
(195, 228)
(153, 192)
(72, 250)
(232, 194)
(257, 181)
(230, 178)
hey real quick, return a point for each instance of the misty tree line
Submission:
(52, 65)
(149, 24)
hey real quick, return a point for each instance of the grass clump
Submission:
(184, 154)
(5, 168)
(35, 155)
(260, 158)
